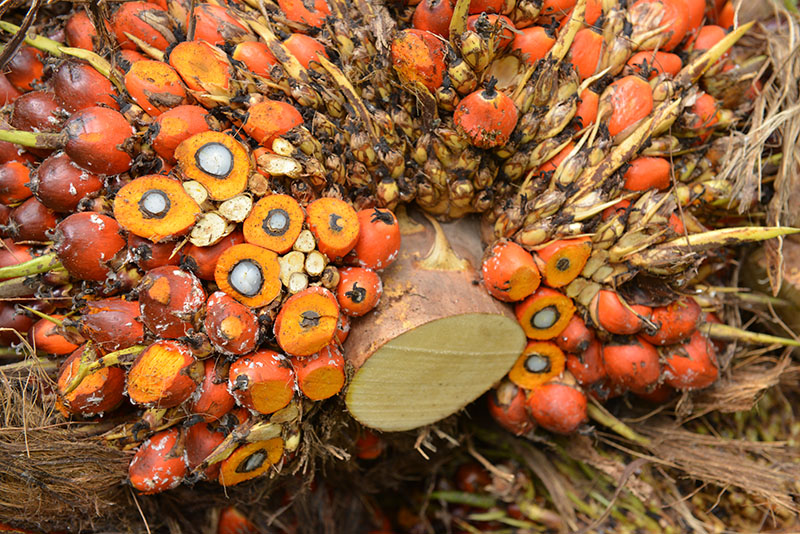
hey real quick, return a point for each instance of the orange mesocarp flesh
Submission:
(262, 381)
(155, 207)
(164, 375)
(307, 321)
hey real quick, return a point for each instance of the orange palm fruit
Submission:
(727, 15)
(148, 255)
(553, 163)
(256, 56)
(576, 337)
(675, 322)
(86, 243)
(609, 313)
(587, 366)
(262, 381)
(359, 290)
(534, 43)
(79, 31)
(545, 314)
(556, 8)
(659, 394)
(274, 223)
(369, 445)
(588, 104)
(216, 25)
(508, 408)
(311, 12)
(418, 56)
(78, 86)
(205, 70)
(112, 324)
(378, 239)
(46, 336)
(171, 301)
(155, 207)
(159, 464)
(61, 185)
(562, 261)
(487, 6)
(155, 86)
(342, 328)
(305, 49)
(250, 461)
(270, 119)
(651, 63)
(586, 50)
(645, 173)
(704, 115)
(202, 261)
(219, 162)
(14, 254)
(672, 15)
(25, 68)
(335, 225)
(164, 375)
(695, 11)
(175, 125)
(433, 16)
(231, 327)
(213, 400)
(705, 39)
(558, 407)
(201, 440)
(632, 363)
(487, 117)
(249, 274)
(322, 375)
(8, 93)
(629, 100)
(539, 362)
(95, 137)
(307, 321)
(98, 393)
(509, 272)
(145, 21)
(232, 521)
(692, 364)
(14, 179)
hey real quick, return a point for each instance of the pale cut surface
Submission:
(434, 370)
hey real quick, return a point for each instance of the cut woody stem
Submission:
(86, 368)
(724, 331)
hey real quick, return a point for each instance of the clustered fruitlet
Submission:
(196, 198)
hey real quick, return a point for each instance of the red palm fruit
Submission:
(175, 125)
(308, 12)
(269, 119)
(164, 375)
(651, 63)
(25, 68)
(46, 336)
(508, 408)
(232, 521)
(659, 395)
(170, 301)
(434, 16)
(378, 239)
(160, 463)
(148, 255)
(95, 137)
(585, 52)
(231, 326)
(704, 115)
(307, 321)
(112, 324)
(705, 39)
(322, 375)
(587, 366)
(31, 221)
(629, 100)
(98, 393)
(632, 363)
(217, 26)
(37, 111)
(214, 400)
(609, 313)
(485, 6)
(8, 93)
(676, 224)
(645, 173)
(13, 322)
(256, 56)
(691, 365)
(588, 104)
(335, 225)
(342, 328)
(539, 362)
(305, 49)
(558, 407)
(576, 337)
(78, 86)
(155, 86)
(201, 440)
(562, 261)
(126, 58)
(672, 15)
(418, 57)
(675, 322)
(695, 11)
(14, 178)
(262, 381)
(534, 43)
(202, 261)
(60, 185)
(79, 31)
(545, 314)
(86, 243)
(359, 290)
(727, 15)
(144, 21)
(487, 117)
(12, 152)
(509, 272)
(369, 445)
(14, 254)
(471, 477)
(556, 8)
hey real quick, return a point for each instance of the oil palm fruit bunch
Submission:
(181, 181)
